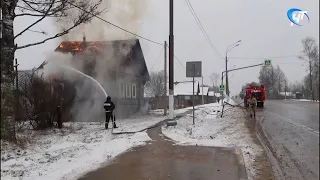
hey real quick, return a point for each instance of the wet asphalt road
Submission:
(292, 130)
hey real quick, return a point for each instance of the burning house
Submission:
(119, 66)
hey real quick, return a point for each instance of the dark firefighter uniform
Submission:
(109, 107)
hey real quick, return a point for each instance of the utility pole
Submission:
(165, 79)
(227, 50)
(202, 91)
(227, 80)
(245, 67)
(171, 121)
(272, 82)
(194, 69)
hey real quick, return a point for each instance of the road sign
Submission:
(194, 69)
(221, 88)
(267, 62)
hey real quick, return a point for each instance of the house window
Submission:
(128, 90)
(122, 90)
(134, 88)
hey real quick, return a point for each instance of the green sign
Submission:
(221, 88)
(267, 63)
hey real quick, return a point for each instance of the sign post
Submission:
(193, 69)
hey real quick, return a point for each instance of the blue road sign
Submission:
(267, 62)
(221, 88)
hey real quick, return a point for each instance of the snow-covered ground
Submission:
(82, 147)
(304, 100)
(137, 122)
(176, 111)
(211, 130)
(72, 151)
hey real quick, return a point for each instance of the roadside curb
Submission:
(273, 161)
(178, 116)
(241, 165)
(258, 131)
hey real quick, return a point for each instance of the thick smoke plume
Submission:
(127, 14)
(90, 98)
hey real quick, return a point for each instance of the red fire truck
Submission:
(257, 91)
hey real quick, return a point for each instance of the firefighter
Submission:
(109, 107)
(252, 102)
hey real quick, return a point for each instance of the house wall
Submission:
(122, 81)
(126, 92)
(130, 85)
(130, 94)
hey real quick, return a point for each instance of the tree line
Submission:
(275, 80)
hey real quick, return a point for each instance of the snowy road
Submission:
(292, 130)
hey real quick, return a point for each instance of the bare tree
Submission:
(280, 79)
(311, 56)
(273, 79)
(286, 86)
(75, 12)
(214, 79)
(155, 87)
(266, 78)
(38, 100)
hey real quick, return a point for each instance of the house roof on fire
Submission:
(134, 58)
(94, 46)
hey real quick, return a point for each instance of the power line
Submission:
(123, 29)
(194, 14)
(178, 60)
(157, 58)
(268, 57)
(114, 24)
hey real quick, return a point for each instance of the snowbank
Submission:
(176, 111)
(304, 100)
(68, 153)
(229, 100)
(137, 123)
(211, 130)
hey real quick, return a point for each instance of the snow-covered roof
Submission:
(287, 93)
(186, 88)
(213, 93)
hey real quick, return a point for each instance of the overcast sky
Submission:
(262, 26)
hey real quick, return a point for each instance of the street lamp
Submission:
(227, 50)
